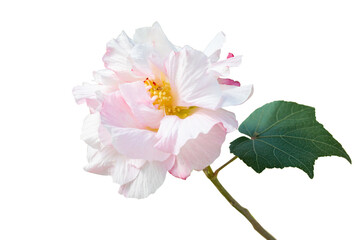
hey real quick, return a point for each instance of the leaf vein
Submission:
(297, 146)
(260, 118)
(307, 139)
(256, 155)
(298, 160)
(283, 119)
(281, 164)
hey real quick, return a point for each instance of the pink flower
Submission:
(156, 108)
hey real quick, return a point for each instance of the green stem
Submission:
(227, 163)
(213, 178)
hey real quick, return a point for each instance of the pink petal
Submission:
(116, 113)
(174, 132)
(138, 99)
(230, 55)
(137, 144)
(130, 76)
(199, 153)
(228, 81)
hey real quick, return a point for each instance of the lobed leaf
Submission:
(284, 134)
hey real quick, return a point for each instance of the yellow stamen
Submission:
(160, 93)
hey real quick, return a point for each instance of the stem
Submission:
(227, 163)
(213, 178)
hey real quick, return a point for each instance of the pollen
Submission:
(160, 93)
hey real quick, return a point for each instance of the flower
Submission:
(157, 108)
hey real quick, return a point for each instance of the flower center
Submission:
(160, 93)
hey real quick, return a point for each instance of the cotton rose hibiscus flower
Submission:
(157, 108)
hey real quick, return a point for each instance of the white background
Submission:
(303, 51)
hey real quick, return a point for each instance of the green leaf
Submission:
(284, 134)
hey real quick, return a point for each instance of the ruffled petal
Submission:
(130, 107)
(86, 91)
(175, 132)
(89, 94)
(124, 171)
(138, 99)
(107, 161)
(199, 153)
(107, 77)
(149, 179)
(90, 130)
(100, 161)
(117, 53)
(191, 84)
(137, 143)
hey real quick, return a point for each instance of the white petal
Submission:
(227, 118)
(101, 161)
(106, 77)
(156, 38)
(233, 95)
(150, 178)
(107, 161)
(137, 143)
(222, 67)
(147, 62)
(199, 153)
(86, 91)
(90, 130)
(191, 84)
(174, 132)
(104, 136)
(142, 35)
(215, 56)
(140, 56)
(117, 53)
(215, 45)
(124, 171)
